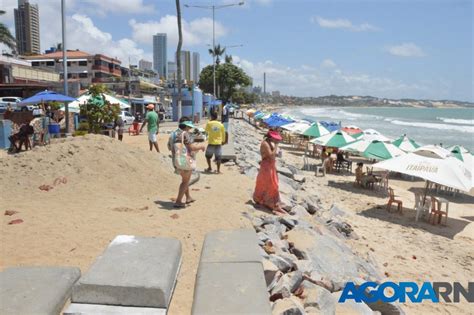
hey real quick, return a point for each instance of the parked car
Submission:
(11, 101)
(127, 118)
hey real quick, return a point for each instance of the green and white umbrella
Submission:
(337, 139)
(463, 154)
(84, 98)
(406, 144)
(375, 149)
(316, 130)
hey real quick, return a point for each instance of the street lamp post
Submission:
(214, 8)
(63, 19)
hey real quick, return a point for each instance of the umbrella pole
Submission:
(426, 192)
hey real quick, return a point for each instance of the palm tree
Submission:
(178, 56)
(228, 59)
(217, 52)
(5, 35)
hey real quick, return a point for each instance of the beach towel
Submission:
(266, 189)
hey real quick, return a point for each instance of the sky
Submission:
(419, 49)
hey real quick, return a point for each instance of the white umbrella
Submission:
(372, 134)
(297, 127)
(433, 164)
(81, 100)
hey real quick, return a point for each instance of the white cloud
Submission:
(195, 32)
(406, 50)
(309, 81)
(328, 63)
(84, 35)
(343, 24)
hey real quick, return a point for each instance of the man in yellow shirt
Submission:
(216, 138)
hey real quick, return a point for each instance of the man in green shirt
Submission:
(151, 119)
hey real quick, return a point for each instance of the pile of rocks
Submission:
(306, 259)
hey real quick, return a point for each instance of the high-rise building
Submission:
(196, 67)
(145, 64)
(27, 28)
(186, 65)
(172, 71)
(159, 54)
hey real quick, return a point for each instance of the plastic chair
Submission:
(436, 210)
(134, 129)
(392, 200)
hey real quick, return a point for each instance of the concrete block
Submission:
(95, 309)
(132, 271)
(230, 288)
(231, 246)
(36, 290)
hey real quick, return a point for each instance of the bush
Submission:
(83, 126)
(80, 133)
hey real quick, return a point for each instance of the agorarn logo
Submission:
(370, 292)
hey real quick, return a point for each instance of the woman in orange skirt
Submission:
(266, 189)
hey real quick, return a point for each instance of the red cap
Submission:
(274, 135)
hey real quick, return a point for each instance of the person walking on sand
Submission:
(266, 188)
(119, 124)
(216, 138)
(151, 119)
(184, 161)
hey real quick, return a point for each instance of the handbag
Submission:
(182, 158)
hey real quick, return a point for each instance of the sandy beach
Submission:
(122, 188)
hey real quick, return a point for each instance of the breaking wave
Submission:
(467, 129)
(456, 121)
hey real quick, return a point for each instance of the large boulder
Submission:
(331, 257)
(288, 306)
(319, 298)
(350, 306)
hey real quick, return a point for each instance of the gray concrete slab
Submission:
(231, 246)
(132, 271)
(228, 150)
(94, 309)
(36, 290)
(230, 288)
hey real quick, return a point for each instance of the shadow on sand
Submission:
(407, 219)
(349, 186)
(461, 197)
(165, 205)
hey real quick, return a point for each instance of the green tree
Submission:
(229, 78)
(217, 52)
(98, 110)
(242, 97)
(5, 35)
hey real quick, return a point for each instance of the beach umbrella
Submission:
(46, 96)
(296, 127)
(371, 135)
(375, 149)
(250, 112)
(352, 130)
(330, 125)
(460, 152)
(434, 164)
(336, 139)
(98, 100)
(463, 154)
(406, 144)
(316, 130)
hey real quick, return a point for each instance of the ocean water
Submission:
(425, 125)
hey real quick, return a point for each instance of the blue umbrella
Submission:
(46, 96)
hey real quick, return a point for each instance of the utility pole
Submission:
(214, 8)
(65, 75)
(264, 87)
(130, 82)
